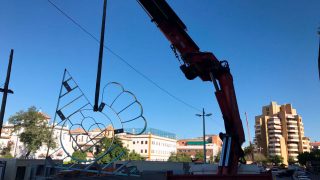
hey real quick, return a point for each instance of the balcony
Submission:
(274, 136)
(274, 140)
(289, 116)
(274, 126)
(293, 130)
(293, 145)
(274, 131)
(273, 154)
(274, 145)
(293, 140)
(293, 154)
(293, 150)
(274, 121)
(294, 136)
(292, 121)
(292, 125)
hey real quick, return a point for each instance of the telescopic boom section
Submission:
(206, 66)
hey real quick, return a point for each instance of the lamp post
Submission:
(204, 133)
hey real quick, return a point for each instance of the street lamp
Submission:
(204, 133)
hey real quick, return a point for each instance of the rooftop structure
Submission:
(153, 131)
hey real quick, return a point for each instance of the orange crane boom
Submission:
(206, 66)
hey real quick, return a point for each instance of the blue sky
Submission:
(271, 47)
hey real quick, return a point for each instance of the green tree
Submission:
(135, 156)
(217, 158)
(276, 160)
(291, 161)
(35, 129)
(211, 159)
(249, 152)
(304, 157)
(260, 158)
(78, 156)
(199, 156)
(118, 150)
(5, 152)
(180, 157)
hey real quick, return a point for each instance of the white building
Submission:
(18, 149)
(153, 144)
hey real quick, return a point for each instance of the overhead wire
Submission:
(126, 62)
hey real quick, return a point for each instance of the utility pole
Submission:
(5, 91)
(260, 149)
(204, 133)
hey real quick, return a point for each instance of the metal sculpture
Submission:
(79, 128)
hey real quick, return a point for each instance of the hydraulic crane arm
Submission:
(206, 66)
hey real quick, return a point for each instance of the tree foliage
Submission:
(78, 156)
(260, 158)
(217, 158)
(180, 157)
(118, 150)
(291, 161)
(135, 156)
(6, 151)
(34, 128)
(304, 157)
(248, 151)
(276, 160)
(199, 156)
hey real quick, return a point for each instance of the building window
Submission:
(134, 142)
(146, 142)
(141, 142)
(145, 151)
(141, 151)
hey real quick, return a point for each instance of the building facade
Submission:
(153, 144)
(315, 145)
(279, 131)
(18, 149)
(193, 146)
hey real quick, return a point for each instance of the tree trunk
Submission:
(27, 155)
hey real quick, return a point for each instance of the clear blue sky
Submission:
(271, 47)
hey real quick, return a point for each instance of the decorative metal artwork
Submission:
(79, 128)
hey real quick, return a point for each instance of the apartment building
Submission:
(195, 145)
(279, 131)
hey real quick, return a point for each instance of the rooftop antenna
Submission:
(5, 91)
(97, 93)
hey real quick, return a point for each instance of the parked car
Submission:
(302, 175)
(287, 173)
